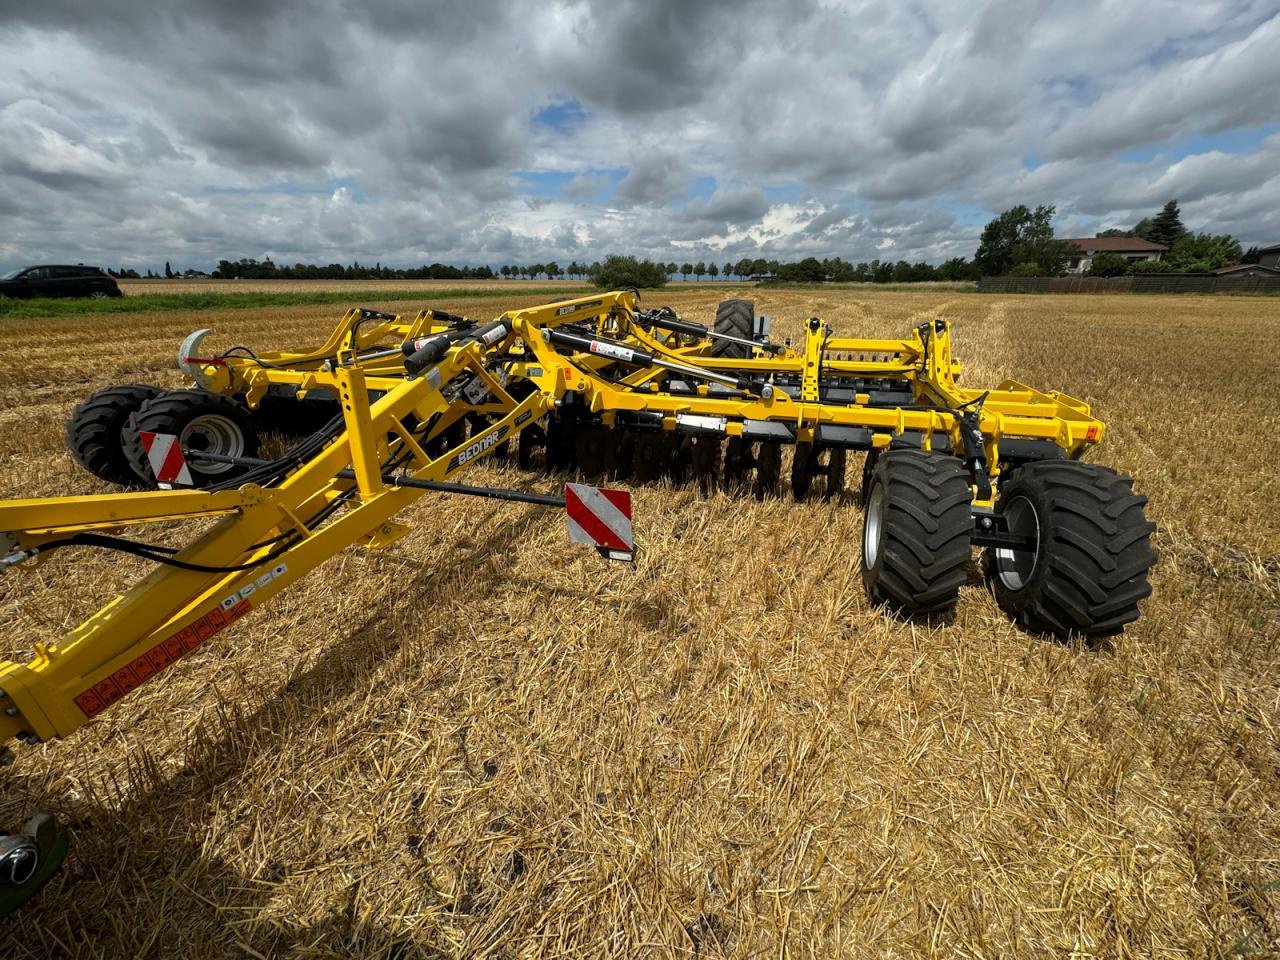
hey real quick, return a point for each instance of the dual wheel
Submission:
(1084, 569)
(103, 433)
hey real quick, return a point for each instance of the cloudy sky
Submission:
(411, 131)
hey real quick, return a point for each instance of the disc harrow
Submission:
(389, 409)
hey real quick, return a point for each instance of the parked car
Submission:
(59, 281)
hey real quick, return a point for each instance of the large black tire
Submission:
(96, 431)
(1093, 549)
(916, 529)
(737, 319)
(201, 421)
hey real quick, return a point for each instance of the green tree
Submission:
(957, 268)
(699, 270)
(1167, 226)
(686, 269)
(1252, 255)
(1021, 235)
(808, 270)
(1114, 232)
(1027, 268)
(727, 270)
(505, 271)
(1198, 252)
(618, 273)
(553, 270)
(168, 273)
(742, 268)
(1108, 265)
(713, 271)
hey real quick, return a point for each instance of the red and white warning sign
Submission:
(165, 455)
(601, 518)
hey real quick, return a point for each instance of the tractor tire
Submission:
(868, 468)
(96, 431)
(737, 319)
(1093, 549)
(916, 527)
(202, 421)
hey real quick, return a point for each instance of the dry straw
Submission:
(488, 742)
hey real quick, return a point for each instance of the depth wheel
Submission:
(915, 533)
(1092, 554)
(97, 428)
(203, 422)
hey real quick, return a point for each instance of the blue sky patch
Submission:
(562, 116)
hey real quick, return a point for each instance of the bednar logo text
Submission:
(477, 448)
(107, 691)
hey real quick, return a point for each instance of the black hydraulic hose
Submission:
(162, 555)
(641, 358)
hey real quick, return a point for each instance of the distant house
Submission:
(1247, 270)
(1132, 249)
(1271, 256)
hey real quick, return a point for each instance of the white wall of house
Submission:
(1082, 263)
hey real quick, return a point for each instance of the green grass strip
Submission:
(250, 300)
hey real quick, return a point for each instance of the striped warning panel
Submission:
(601, 518)
(165, 456)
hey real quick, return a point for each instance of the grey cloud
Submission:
(654, 177)
(139, 133)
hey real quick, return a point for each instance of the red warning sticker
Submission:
(168, 651)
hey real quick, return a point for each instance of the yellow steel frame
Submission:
(271, 533)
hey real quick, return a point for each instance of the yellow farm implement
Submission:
(388, 409)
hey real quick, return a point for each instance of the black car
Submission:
(59, 281)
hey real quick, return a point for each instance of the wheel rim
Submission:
(1015, 568)
(873, 526)
(98, 295)
(211, 433)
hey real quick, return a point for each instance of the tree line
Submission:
(1019, 242)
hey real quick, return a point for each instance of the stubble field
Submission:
(487, 742)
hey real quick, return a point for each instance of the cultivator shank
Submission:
(387, 410)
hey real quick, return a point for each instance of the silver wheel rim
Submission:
(873, 526)
(1015, 568)
(211, 433)
(97, 295)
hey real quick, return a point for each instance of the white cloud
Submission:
(403, 132)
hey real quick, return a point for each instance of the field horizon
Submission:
(485, 741)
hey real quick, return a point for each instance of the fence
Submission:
(1149, 283)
